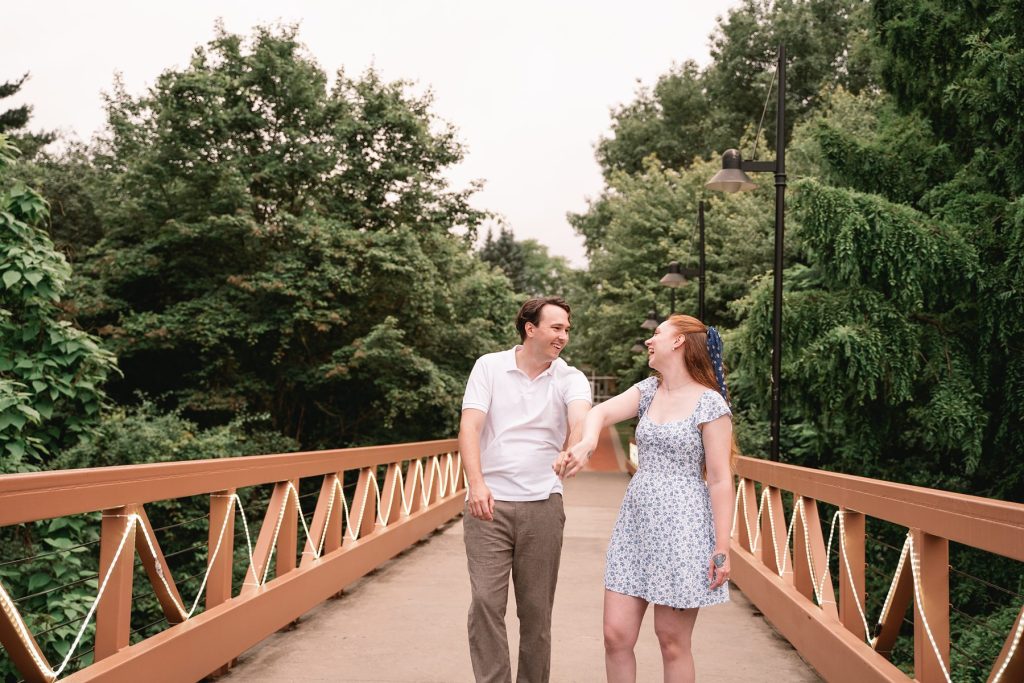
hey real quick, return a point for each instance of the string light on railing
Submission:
(1013, 649)
(919, 605)
(849, 576)
(892, 586)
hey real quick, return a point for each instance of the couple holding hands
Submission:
(670, 544)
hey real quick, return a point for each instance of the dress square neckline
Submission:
(693, 412)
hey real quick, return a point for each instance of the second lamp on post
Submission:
(733, 178)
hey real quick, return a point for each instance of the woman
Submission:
(670, 546)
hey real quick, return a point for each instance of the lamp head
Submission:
(674, 276)
(731, 178)
(652, 321)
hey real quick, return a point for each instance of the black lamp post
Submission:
(732, 178)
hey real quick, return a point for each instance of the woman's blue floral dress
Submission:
(664, 536)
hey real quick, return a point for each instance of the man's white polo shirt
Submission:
(526, 423)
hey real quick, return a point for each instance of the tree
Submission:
(527, 264)
(16, 119)
(51, 372)
(652, 220)
(506, 255)
(691, 113)
(270, 245)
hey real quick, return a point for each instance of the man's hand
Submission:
(481, 502)
(571, 461)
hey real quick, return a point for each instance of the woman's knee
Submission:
(674, 642)
(617, 637)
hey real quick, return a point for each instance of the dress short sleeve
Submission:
(647, 388)
(711, 407)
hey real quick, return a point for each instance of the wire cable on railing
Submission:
(40, 556)
(443, 484)
(1001, 589)
(974, 620)
(178, 524)
(70, 584)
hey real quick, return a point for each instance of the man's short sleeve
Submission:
(478, 388)
(577, 388)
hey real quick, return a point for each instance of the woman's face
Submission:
(663, 343)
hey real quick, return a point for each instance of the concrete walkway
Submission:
(407, 620)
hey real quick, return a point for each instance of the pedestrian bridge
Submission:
(346, 565)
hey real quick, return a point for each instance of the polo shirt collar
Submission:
(510, 363)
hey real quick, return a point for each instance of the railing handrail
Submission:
(45, 495)
(402, 493)
(992, 525)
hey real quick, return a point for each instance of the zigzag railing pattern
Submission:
(785, 569)
(423, 487)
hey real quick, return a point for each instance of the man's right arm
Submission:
(480, 501)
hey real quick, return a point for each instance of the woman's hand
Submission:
(572, 461)
(719, 568)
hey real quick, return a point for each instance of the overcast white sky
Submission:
(528, 84)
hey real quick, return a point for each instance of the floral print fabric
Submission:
(664, 536)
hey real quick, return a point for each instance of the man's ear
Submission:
(530, 329)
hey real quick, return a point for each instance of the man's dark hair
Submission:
(530, 312)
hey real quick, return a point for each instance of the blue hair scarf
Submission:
(715, 351)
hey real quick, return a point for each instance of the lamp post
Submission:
(652, 322)
(732, 178)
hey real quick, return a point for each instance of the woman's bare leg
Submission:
(623, 615)
(674, 628)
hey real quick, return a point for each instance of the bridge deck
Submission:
(407, 621)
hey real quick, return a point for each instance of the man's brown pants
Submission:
(526, 539)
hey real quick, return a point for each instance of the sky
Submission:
(529, 85)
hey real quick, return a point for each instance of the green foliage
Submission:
(882, 372)
(15, 118)
(264, 239)
(13, 121)
(863, 142)
(691, 114)
(51, 372)
(527, 264)
(973, 86)
(652, 220)
(63, 579)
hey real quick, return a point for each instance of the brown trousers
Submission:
(526, 540)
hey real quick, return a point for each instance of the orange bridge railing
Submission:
(781, 562)
(401, 493)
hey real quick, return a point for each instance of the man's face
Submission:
(551, 333)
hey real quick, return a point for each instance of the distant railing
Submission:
(784, 569)
(603, 387)
(423, 487)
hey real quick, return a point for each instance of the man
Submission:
(515, 414)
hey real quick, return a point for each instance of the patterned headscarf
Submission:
(715, 351)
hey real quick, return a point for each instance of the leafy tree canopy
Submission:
(274, 245)
(51, 372)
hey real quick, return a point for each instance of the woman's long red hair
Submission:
(698, 361)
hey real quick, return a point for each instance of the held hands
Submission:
(480, 502)
(570, 462)
(718, 572)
